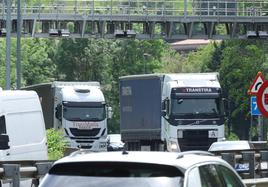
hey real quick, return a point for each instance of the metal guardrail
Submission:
(16, 170)
(249, 164)
(263, 182)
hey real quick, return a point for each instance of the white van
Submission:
(22, 127)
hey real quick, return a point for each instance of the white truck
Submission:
(79, 108)
(173, 112)
(22, 126)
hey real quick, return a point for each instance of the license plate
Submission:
(213, 134)
(85, 125)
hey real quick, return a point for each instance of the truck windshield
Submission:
(89, 113)
(196, 107)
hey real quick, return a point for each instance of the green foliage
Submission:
(232, 136)
(172, 61)
(56, 144)
(240, 63)
(37, 66)
(196, 60)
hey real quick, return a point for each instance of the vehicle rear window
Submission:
(115, 169)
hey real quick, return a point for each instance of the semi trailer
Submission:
(173, 112)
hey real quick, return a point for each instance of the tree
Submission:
(37, 66)
(215, 62)
(195, 61)
(241, 60)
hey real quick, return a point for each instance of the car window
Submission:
(230, 179)
(86, 181)
(209, 176)
(113, 174)
(114, 169)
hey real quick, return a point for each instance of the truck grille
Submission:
(195, 140)
(85, 132)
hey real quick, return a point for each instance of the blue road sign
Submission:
(254, 108)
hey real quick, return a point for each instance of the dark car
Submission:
(114, 142)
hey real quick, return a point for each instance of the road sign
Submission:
(262, 99)
(255, 86)
(254, 107)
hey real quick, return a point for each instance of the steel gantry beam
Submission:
(142, 19)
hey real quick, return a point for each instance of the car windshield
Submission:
(107, 174)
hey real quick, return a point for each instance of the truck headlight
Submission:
(173, 146)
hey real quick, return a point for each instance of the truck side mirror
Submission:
(226, 105)
(4, 140)
(164, 112)
(165, 107)
(58, 113)
(109, 112)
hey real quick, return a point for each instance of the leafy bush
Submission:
(56, 144)
(232, 136)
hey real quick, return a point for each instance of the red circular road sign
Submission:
(262, 99)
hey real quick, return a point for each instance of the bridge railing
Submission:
(145, 7)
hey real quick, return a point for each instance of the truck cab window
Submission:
(3, 125)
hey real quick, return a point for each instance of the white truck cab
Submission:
(194, 110)
(22, 127)
(80, 109)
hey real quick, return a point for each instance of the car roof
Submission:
(183, 160)
(230, 145)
